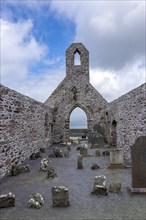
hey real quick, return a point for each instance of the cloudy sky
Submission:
(35, 35)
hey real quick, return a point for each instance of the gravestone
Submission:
(36, 201)
(97, 136)
(80, 162)
(60, 196)
(84, 150)
(7, 200)
(138, 162)
(116, 158)
(99, 187)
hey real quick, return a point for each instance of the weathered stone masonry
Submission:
(75, 91)
(27, 123)
(129, 111)
(22, 127)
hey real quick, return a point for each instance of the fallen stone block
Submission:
(106, 153)
(51, 173)
(115, 187)
(7, 200)
(94, 166)
(97, 153)
(43, 150)
(58, 152)
(36, 201)
(36, 155)
(17, 169)
(60, 196)
(78, 148)
(66, 153)
(100, 190)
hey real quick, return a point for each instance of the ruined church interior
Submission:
(51, 170)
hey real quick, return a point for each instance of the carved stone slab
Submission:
(138, 161)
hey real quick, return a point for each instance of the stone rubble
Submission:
(7, 200)
(36, 201)
(115, 187)
(35, 155)
(51, 173)
(95, 166)
(18, 169)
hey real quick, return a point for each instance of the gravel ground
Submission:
(83, 204)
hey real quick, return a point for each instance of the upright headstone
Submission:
(80, 162)
(116, 158)
(84, 151)
(99, 187)
(60, 196)
(138, 162)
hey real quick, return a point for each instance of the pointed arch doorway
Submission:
(78, 124)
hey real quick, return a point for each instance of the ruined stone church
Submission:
(27, 125)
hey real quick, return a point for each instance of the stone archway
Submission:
(88, 113)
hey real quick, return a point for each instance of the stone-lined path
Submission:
(83, 205)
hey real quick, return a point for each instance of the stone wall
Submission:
(129, 112)
(23, 127)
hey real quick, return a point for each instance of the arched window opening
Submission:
(77, 58)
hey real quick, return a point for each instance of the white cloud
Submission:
(113, 84)
(19, 50)
(41, 86)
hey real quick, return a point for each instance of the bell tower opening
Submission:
(77, 58)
